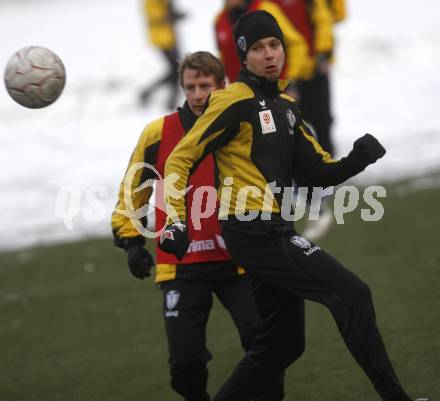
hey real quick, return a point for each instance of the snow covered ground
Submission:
(385, 82)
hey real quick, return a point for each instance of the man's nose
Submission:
(198, 93)
(269, 53)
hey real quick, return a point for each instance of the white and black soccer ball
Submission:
(35, 77)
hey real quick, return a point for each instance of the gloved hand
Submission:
(139, 261)
(175, 240)
(368, 149)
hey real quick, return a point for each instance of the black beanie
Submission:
(254, 26)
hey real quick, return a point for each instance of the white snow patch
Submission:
(385, 81)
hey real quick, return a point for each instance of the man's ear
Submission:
(222, 84)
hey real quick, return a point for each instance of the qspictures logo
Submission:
(295, 204)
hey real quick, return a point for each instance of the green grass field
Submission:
(75, 325)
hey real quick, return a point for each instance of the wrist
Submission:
(358, 159)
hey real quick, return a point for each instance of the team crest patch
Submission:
(172, 298)
(291, 118)
(267, 122)
(300, 242)
(242, 43)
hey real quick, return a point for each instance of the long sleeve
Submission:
(317, 166)
(132, 202)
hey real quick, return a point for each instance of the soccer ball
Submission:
(35, 77)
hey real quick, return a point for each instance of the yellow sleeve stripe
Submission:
(287, 97)
(326, 157)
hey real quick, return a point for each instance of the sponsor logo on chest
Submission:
(267, 122)
(202, 245)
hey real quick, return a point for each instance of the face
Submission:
(265, 58)
(197, 87)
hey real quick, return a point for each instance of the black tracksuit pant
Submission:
(187, 304)
(287, 269)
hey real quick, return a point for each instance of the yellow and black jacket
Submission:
(207, 257)
(159, 16)
(259, 139)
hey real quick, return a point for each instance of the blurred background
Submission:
(74, 324)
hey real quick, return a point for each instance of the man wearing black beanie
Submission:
(260, 141)
(255, 26)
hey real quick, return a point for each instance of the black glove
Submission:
(175, 240)
(139, 261)
(368, 149)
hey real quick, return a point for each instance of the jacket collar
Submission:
(187, 117)
(262, 83)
